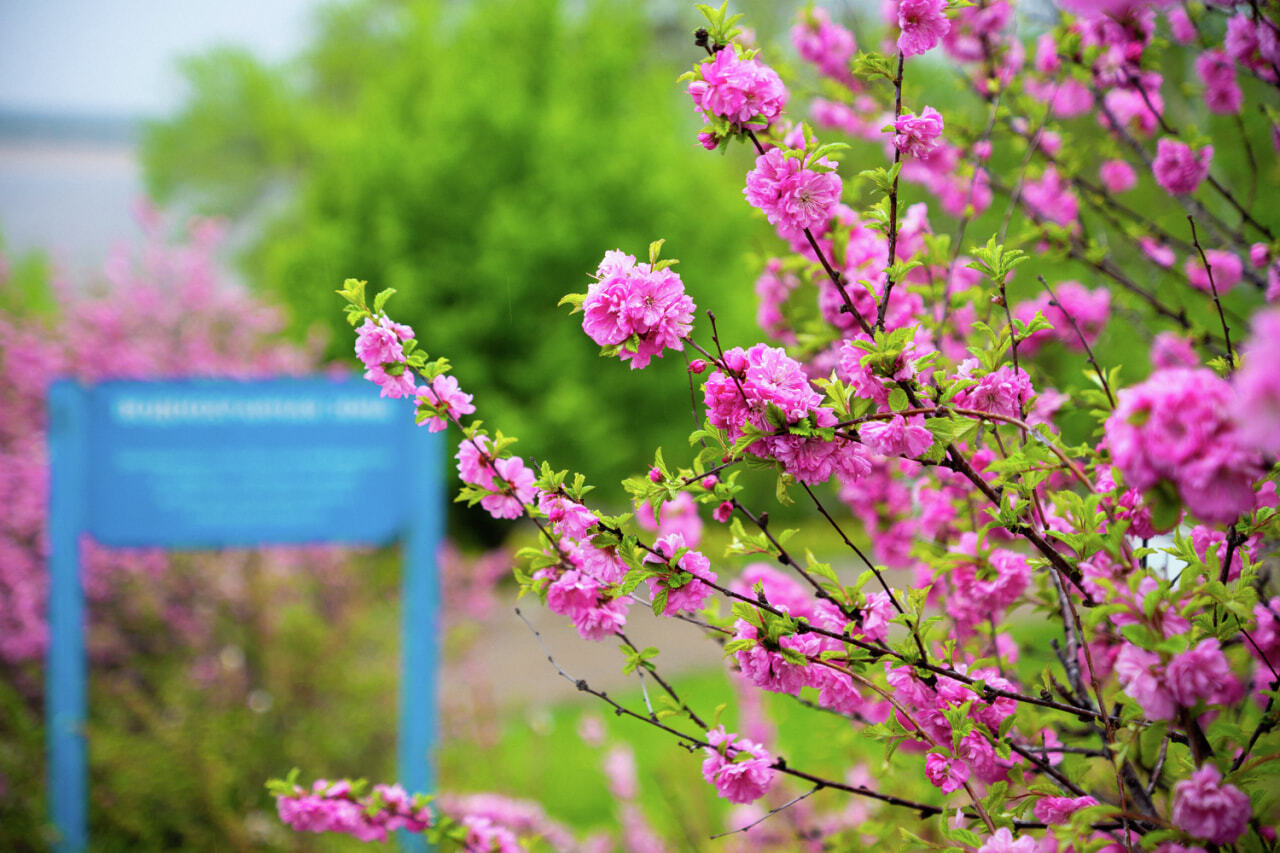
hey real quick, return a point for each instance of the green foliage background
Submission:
(478, 158)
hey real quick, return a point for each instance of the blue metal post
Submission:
(65, 679)
(420, 618)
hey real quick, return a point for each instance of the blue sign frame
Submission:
(213, 463)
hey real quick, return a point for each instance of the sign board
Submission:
(204, 463)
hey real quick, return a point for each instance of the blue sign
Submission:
(195, 464)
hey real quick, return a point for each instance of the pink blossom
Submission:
(1200, 673)
(1117, 176)
(445, 399)
(1257, 385)
(1184, 32)
(1142, 674)
(1004, 391)
(1206, 808)
(948, 774)
(1177, 426)
(1054, 810)
(513, 489)
(740, 769)
(792, 196)
(395, 384)
(916, 136)
(566, 516)
(1222, 93)
(1179, 169)
(769, 670)
(897, 437)
(377, 343)
(475, 464)
(1226, 267)
(923, 24)
(744, 92)
(1004, 842)
(641, 310)
(828, 46)
(691, 595)
(1051, 199)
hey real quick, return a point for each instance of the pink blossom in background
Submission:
(1170, 349)
(827, 45)
(1053, 810)
(162, 309)
(1205, 807)
(1159, 253)
(917, 135)
(1089, 309)
(1257, 385)
(1117, 176)
(1222, 93)
(923, 24)
(1179, 169)
(1184, 32)
(1177, 426)
(1226, 267)
(1051, 198)
(1004, 842)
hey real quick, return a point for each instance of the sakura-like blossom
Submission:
(740, 769)
(1179, 169)
(1206, 807)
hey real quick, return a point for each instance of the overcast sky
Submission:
(118, 57)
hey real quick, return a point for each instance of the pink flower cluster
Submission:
(687, 595)
(159, 309)
(1004, 391)
(917, 135)
(379, 345)
(1177, 426)
(1205, 807)
(508, 479)
(744, 92)
(792, 196)
(1227, 268)
(641, 310)
(741, 769)
(1200, 674)
(1257, 386)
(828, 46)
(982, 588)
(1222, 93)
(1177, 168)
(750, 385)
(331, 807)
(1090, 309)
(923, 23)
(974, 757)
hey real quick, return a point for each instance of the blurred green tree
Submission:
(479, 158)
